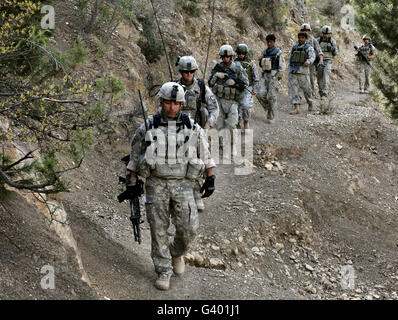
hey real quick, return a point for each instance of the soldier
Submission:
(200, 104)
(250, 67)
(228, 80)
(301, 56)
(170, 182)
(272, 63)
(368, 51)
(197, 94)
(318, 53)
(330, 50)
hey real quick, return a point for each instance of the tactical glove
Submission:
(208, 187)
(230, 82)
(220, 75)
(132, 191)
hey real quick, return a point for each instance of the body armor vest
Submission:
(273, 55)
(299, 54)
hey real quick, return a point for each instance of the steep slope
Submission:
(321, 199)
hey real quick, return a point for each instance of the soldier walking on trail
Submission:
(250, 67)
(318, 53)
(170, 180)
(330, 50)
(301, 56)
(272, 64)
(364, 69)
(228, 81)
(200, 104)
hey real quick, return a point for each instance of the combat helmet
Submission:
(326, 29)
(305, 26)
(365, 37)
(172, 91)
(226, 51)
(242, 49)
(186, 63)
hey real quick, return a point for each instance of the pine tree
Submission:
(379, 19)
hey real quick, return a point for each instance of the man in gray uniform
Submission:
(245, 105)
(272, 63)
(318, 53)
(365, 69)
(200, 104)
(330, 50)
(170, 179)
(301, 56)
(228, 81)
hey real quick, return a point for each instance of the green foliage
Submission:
(268, 14)
(103, 16)
(151, 48)
(112, 85)
(191, 7)
(378, 19)
(102, 48)
(81, 142)
(44, 110)
(78, 53)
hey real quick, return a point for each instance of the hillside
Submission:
(322, 197)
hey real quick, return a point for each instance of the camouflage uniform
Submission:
(269, 85)
(192, 96)
(228, 96)
(363, 68)
(329, 49)
(318, 50)
(298, 74)
(169, 189)
(247, 101)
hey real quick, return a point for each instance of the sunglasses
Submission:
(188, 71)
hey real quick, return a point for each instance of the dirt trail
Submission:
(328, 201)
(322, 197)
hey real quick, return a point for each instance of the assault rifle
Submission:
(365, 58)
(135, 217)
(231, 75)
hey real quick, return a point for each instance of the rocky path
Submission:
(322, 196)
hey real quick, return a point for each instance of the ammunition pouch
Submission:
(195, 169)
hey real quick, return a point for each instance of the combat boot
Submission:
(296, 109)
(238, 126)
(163, 281)
(178, 265)
(199, 204)
(246, 125)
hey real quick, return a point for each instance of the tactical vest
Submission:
(299, 54)
(195, 101)
(323, 43)
(247, 64)
(192, 169)
(221, 90)
(366, 50)
(273, 55)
